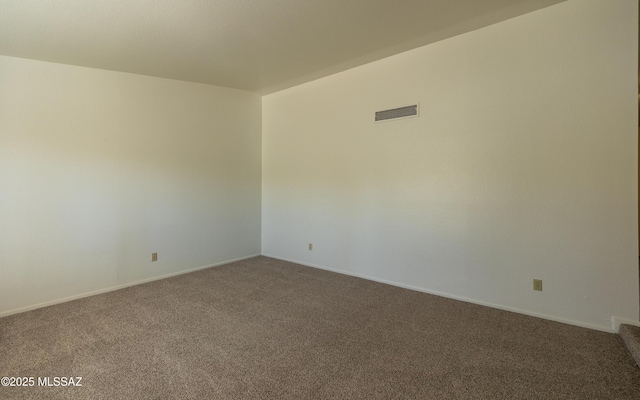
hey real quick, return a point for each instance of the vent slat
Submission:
(401, 112)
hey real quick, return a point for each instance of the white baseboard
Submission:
(617, 321)
(602, 328)
(118, 287)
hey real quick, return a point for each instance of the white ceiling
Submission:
(259, 45)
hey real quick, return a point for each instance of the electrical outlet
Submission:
(537, 284)
(154, 256)
(310, 246)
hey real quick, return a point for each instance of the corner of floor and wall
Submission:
(521, 165)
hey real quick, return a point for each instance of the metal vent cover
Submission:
(394, 113)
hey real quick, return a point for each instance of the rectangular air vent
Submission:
(394, 113)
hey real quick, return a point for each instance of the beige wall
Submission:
(99, 169)
(522, 165)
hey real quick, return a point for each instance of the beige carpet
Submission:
(267, 329)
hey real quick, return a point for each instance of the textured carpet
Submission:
(631, 337)
(267, 329)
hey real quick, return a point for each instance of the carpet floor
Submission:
(631, 337)
(267, 329)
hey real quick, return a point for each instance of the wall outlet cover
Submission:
(537, 284)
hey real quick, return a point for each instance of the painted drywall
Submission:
(99, 169)
(521, 165)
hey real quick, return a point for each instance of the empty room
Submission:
(319, 199)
